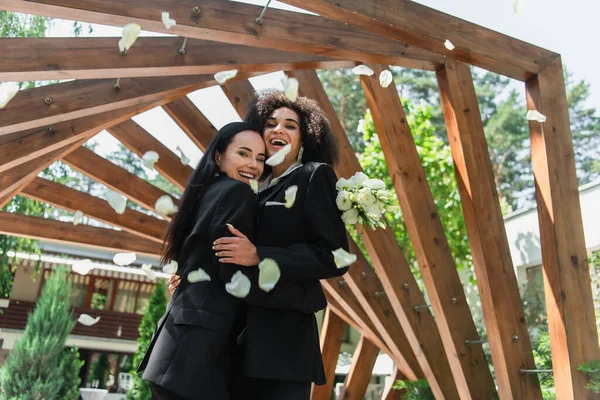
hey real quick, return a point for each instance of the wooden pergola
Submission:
(382, 301)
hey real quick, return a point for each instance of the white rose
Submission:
(350, 216)
(343, 200)
(358, 179)
(375, 209)
(342, 184)
(374, 184)
(365, 197)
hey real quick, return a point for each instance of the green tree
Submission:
(70, 365)
(140, 389)
(35, 368)
(99, 370)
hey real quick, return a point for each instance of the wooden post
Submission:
(569, 303)
(498, 288)
(393, 394)
(239, 94)
(331, 342)
(191, 121)
(361, 370)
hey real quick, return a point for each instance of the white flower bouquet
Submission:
(364, 200)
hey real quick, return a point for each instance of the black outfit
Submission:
(193, 353)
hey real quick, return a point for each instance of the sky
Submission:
(569, 28)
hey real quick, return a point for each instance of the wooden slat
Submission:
(139, 141)
(331, 342)
(427, 28)
(393, 394)
(498, 287)
(234, 22)
(48, 229)
(361, 369)
(239, 94)
(26, 59)
(569, 304)
(191, 121)
(440, 276)
(72, 200)
(76, 99)
(116, 178)
(390, 265)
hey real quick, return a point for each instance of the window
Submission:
(125, 297)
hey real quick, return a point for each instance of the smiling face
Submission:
(244, 158)
(282, 128)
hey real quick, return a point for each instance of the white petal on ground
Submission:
(149, 159)
(254, 185)
(343, 258)
(87, 320)
(77, 217)
(290, 196)
(171, 268)
(224, 76)
(239, 285)
(291, 88)
(448, 44)
(183, 157)
(534, 115)
(167, 20)
(82, 267)
(147, 268)
(198, 275)
(385, 78)
(8, 90)
(268, 275)
(279, 157)
(362, 70)
(124, 259)
(129, 36)
(117, 201)
(164, 205)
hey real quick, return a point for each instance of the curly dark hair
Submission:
(318, 140)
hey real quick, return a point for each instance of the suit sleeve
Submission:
(313, 259)
(238, 208)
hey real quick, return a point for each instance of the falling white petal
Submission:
(167, 20)
(123, 259)
(130, 35)
(291, 88)
(164, 205)
(8, 90)
(110, 381)
(171, 268)
(116, 201)
(149, 159)
(239, 285)
(362, 70)
(198, 275)
(279, 157)
(224, 76)
(82, 267)
(147, 268)
(268, 274)
(449, 45)
(385, 78)
(290, 196)
(182, 157)
(87, 320)
(534, 115)
(77, 217)
(343, 258)
(518, 6)
(254, 185)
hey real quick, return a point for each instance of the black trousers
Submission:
(272, 389)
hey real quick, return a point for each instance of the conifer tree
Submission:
(140, 389)
(70, 366)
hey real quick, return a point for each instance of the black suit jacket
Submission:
(192, 348)
(284, 344)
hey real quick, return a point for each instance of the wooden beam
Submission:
(76, 99)
(52, 230)
(388, 392)
(398, 281)
(426, 28)
(72, 200)
(569, 302)
(496, 279)
(29, 59)
(139, 141)
(239, 94)
(331, 342)
(191, 121)
(361, 370)
(425, 230)
(234, 22)
(116, 178)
